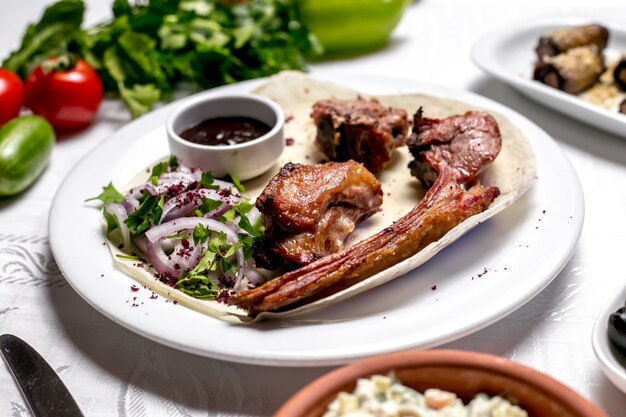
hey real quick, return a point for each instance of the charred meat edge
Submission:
(445, 205)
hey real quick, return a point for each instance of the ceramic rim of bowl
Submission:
(199, 101)
(317, 391)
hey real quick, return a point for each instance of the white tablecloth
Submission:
(112, 371)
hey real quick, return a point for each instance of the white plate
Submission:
(611, 361)
(524, 248)
(509, 55)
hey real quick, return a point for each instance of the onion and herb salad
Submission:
(194, 230)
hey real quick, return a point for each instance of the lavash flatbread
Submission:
(513, 172)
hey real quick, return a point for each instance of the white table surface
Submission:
(112, 371)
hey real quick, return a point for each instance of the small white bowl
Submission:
(244, 160)
(612, 362)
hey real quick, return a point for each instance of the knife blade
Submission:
(43, 389)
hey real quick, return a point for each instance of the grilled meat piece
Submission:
(562, 40)
(446, 204)
(308, 210)
(572, 71)
(467, 143)
(362, 130)
(619, 74)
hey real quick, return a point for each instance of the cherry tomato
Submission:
(11, 95)
(68, 98)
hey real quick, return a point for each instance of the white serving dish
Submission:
(612, 362)
(508, 54)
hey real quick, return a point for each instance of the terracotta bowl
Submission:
(464, 373)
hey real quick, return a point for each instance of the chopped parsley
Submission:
(236, 182)
(206, 181)
(128, 257)
(108, 195)
(148, 214)
(218, 267)
(207, 206)
(161, 168)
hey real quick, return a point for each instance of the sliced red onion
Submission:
(191, 260)
(131, 200)
(189, 223)
(225, 184)
(195, 173)
(174, 265)
(249, 277)
(184, 175)
(169, 254)
(161, 261)
(188, 201)
(119, 212)
(141, 244)
(217, 213)
(241, 265)
(164, 185)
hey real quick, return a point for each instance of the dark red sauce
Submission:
(225, 131)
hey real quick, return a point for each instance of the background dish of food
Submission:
(509, 55)
(473, 283)
(464, 373)
(612, 362)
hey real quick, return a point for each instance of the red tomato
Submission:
(68, 99)
(11, 95)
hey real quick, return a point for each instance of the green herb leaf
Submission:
(121, 8)
(111, 220)
(217, 242)
(242, 208)
(148, 214)
(206, 263)
(208, 205)
(128, 257)
(108, 195)
(206, 181)
(140, 98)
(198, 286)
(247, 243)
(237, 183)
(50, 37)
(245, 224)
(149, 47)
(158, 170)
(200, 234)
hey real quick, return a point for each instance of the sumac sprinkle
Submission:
(225, 131)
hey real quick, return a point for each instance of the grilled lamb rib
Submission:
(467, 143)
(308, 210)
(456, 159)
(362, 130)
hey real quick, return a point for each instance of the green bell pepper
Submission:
(351, 26)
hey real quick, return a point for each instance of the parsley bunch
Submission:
(149, 47)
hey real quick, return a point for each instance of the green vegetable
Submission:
(151, 46)
(147, 215)
(53, 35)
(25, 146)
(108, 195)
(196, 283)
(351, 26)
